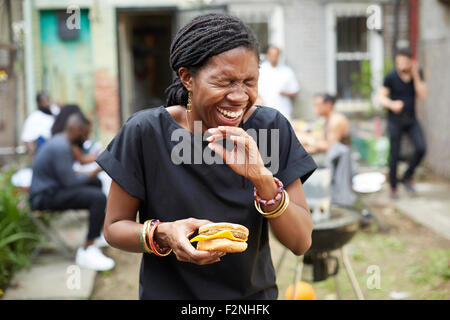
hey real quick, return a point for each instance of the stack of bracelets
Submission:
(147, 242)
(281, 196)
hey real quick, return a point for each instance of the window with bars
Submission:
(352, 50)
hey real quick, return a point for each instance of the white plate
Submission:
(368, 182)
(362, 188)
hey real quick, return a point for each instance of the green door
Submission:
(66, 59)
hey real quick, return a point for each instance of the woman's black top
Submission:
(146, 160)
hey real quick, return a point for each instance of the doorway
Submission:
(144, 39)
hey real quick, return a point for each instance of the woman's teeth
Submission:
(230, 115)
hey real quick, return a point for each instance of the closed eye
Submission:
(221, 83)
(250, 82)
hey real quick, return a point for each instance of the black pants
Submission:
(413, 130)
(89, 196)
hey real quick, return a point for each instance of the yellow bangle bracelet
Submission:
(282, 210)
(277, 212)
(145, 236)
(144, 233)
(280, 205)
(141, 238)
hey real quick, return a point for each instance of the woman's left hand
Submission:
(245, 158)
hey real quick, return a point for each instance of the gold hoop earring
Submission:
(189, 104)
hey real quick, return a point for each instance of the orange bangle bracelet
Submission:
(154, 246)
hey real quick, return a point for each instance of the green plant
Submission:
(434, 270)
(362, 84)
(362, 81)
(18, 235)
(440, 261)
(388, 66)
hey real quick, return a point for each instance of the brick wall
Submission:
(107, 103)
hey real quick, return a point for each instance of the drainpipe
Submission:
(30, 89)
(13, 57)
(414, 25)
(396, 27)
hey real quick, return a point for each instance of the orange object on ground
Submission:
(303, 291)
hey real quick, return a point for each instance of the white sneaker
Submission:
(100, 242)
(93, 258)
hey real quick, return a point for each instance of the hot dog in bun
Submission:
(222, 236)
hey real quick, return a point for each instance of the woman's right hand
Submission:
(176, 236)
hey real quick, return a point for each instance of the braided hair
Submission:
(205, 36)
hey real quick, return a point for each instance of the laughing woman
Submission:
(216, 60)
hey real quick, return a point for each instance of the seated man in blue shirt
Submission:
(55, 186)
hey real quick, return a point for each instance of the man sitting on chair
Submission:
(55, 186)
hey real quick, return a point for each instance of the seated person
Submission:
(37, 126)
(334, 139)
(336, 127)
(84, 153)
(55, 186)
(58, 126)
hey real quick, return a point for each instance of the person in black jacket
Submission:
(398, 95)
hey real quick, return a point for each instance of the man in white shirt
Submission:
(277, 84)
(38, 125)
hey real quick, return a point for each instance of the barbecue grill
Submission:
(328, 237)
(334, 227)
(335, 232)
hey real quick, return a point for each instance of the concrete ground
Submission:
(52, 276)
(429, 207)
